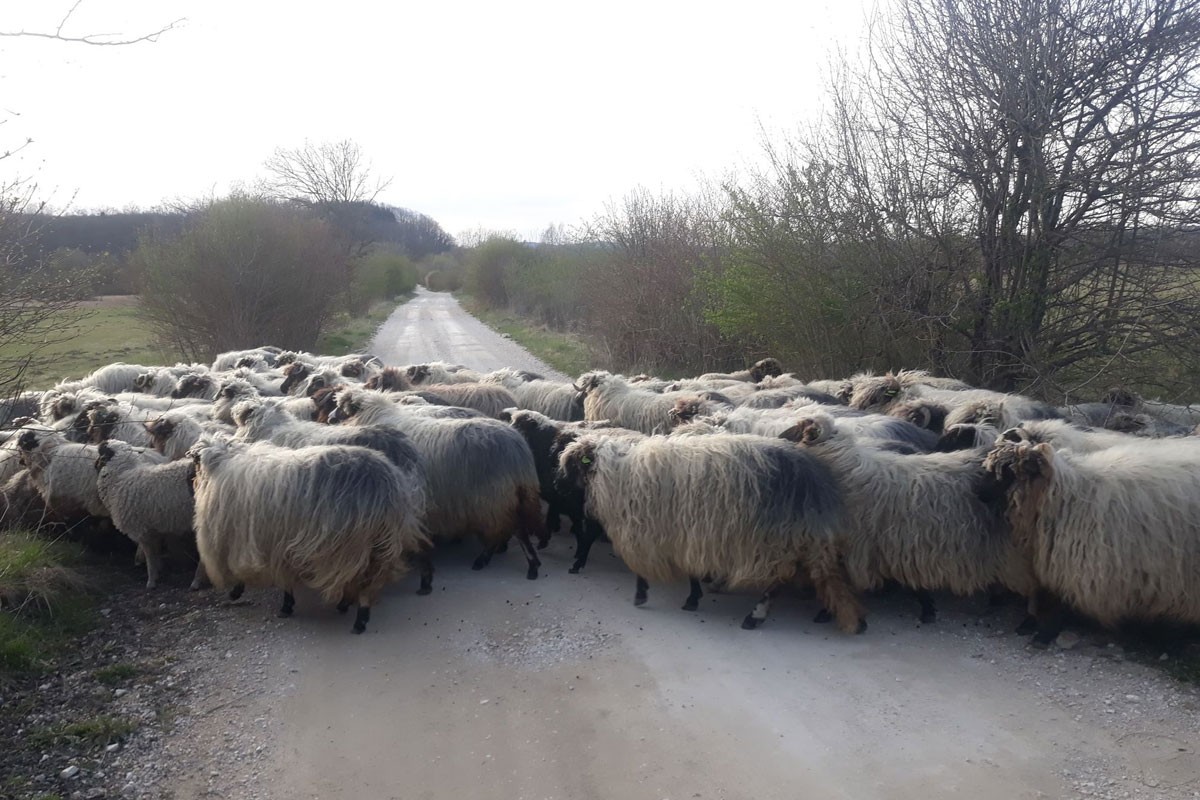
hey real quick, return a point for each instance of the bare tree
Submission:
(61, 34)
(1023, 178)
(325, 173)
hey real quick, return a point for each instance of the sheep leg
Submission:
(502, 547)
(361, 619)
(928, 609)
(639, 595)
(485, 557)
(833, 589)
(760, 610)
(289, 604)
(1051, 618)
(823, 616)
(531, 556)
(693, 599)
(553, 518)
(154, 562)
(237, 591)
(585, 537)
(200, 578)
(424, 562)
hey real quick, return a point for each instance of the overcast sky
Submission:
(506, 116)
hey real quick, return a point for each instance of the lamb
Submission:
(340, 519)
(610, 397)
(766, 368)
(913, 519)
(1112, 532)
(481, 475)
(150, 501)
(752, 510)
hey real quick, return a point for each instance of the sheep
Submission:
(63, 472)
(772, 423)
(1112, 532)
(481, 474)
(556, 400)
(439, 372)
(913, 519)
(963, 405)
(340, 519)
(172, 434)
(489, 398)
(119, 377)
(230, 393)
(150, 501)
(303, 380)
(611, 397)
(230, 360)
(259, 421)
(161, 381)
(753, 510)
(21, 505)
(766, 368)
(1062, 435)
(777, 398)
(543, 435)
(841, 390)
(121, 422)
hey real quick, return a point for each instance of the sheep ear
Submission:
(1045, 451)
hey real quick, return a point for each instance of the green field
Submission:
(109, 330)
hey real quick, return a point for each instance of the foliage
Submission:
(567, 353)
(244, 271)
(380, 275)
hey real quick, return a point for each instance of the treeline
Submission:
(1004, 194)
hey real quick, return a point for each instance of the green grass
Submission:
(99, 730)
(43, 600)
(86, 339)
(114, 674)
(566, 353)
(352, 334)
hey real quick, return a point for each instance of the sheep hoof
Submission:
(343, 606)
(237, 591)
(532, 574)
(690, 604)
(361, 619)
(750, 623)
(543, 543)
(928, 617)
(862, 627)
(424, 589)
(823, 616)
(283, 613)
(502, 548)
(1027, 626)
(639, 600)
(574, 570)
(358, 628)
(151, 584)
(479, 564)
(194, 586)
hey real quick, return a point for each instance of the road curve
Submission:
(499, 687)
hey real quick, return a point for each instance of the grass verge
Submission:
(43, 600)
(352, 334)
(102, 729)
(566, 353)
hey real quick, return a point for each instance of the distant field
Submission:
(108, 329)
(100, 332)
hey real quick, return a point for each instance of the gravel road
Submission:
(498, 687)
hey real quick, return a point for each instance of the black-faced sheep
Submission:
(766, 368)
(339, 519)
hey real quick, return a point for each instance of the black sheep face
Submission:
(353, 369)
(143, 382)
(767, 367)
(245, 361)
(316, 384)
(160, 431)
(881, 393)
(418, 373)
(325, 402)
(28, 441)
(576, 468)
(293, 374)
(686, 409)
(806, 432)
(101, 424)
(105, 454)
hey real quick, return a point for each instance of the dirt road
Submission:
(498, 687)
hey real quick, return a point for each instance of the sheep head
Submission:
(389, 379)
(107, 451)
(576, 465)
(876, 393)
(418, 373)
(1010, 464)
(923, 414)
(325, 401)
(192, 386)
(1118, 396)
(347, 407)
(28, 441)
(101, 423)
(243, 413)
(354, 369)
(144, 382)
(685, 410)
(767, 367)
(292, 375)
(810, 430)
(964, 436)
(247, 362)
(286, 357)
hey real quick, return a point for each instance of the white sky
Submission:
(507, 116)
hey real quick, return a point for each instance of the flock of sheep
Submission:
(341, 474)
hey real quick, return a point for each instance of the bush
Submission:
(243, 272)
(380, 275)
